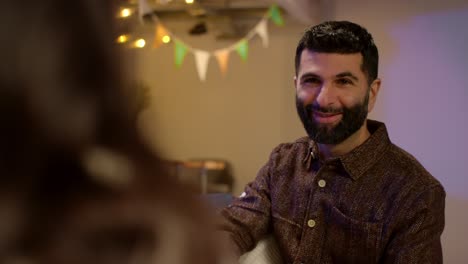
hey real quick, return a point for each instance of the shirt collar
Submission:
(363, 157)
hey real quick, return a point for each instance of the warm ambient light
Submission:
(140, 43)
(125, 12)
(122, 39)
(166, 39)
(189, 1)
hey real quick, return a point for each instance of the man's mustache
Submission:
(317, 108)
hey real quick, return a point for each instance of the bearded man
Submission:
(345, 193)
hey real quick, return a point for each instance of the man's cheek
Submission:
(305, 97)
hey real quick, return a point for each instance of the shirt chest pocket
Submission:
(351, 241)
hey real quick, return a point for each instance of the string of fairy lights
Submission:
(126, 12)
(181, 48)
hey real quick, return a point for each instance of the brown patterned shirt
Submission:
(376, 204)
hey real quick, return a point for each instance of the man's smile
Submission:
(326, 118)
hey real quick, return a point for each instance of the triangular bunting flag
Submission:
(201, 60)
(159, 34)
(275, 14)
(262, 31)
(180, 51)
(222, 56)
(143, 9)
(243, 49)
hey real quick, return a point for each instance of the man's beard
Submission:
(352, 119)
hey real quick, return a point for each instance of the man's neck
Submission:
(329, 151)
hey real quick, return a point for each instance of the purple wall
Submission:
(426, 88)
(425, 99)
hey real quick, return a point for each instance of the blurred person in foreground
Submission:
(345, 193)
(77, 184)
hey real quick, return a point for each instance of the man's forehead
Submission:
(329, 63)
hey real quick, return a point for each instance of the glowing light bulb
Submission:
(122, 39)
(126, 12)
(166, 39)
(140, 43)
(189, 1)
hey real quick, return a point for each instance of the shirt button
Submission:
(322, 183)
(311, 223)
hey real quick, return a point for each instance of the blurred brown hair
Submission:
(78, 185)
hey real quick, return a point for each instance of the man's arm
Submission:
(247, 219)
(417, 238)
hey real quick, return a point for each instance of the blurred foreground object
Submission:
(77, 183)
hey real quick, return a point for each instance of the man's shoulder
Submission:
(289, 151)
(299, 145)
(407, 166)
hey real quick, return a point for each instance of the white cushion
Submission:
(266, 252)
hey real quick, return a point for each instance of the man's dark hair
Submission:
(341, 37)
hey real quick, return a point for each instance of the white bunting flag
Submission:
(201, 60)
(262, 31)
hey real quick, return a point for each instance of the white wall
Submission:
(241, 117)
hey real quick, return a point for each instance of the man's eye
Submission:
(311, 80)
(344, 81)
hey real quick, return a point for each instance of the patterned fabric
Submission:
(376, 204)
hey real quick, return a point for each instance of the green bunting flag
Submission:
(180, 52)
(275, 14)
(243, 49)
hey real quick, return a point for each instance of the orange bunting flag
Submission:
(222, 56)
(161, 32)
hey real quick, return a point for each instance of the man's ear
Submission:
(373, 92)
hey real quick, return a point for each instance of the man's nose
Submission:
(326, 96)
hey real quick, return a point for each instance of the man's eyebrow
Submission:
(310, 75)
(347, 74)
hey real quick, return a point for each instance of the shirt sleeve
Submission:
(417, 238)
(247, 219)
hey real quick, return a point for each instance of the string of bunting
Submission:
(201, 56)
